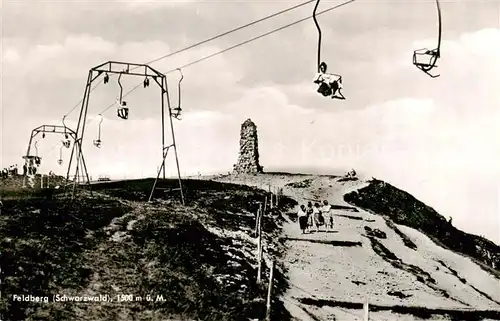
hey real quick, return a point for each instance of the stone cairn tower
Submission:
(248, 160)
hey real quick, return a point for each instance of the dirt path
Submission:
(308, 258)
(332, 273)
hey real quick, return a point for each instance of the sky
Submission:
(435, 138)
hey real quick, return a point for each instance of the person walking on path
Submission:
(319, 220)
(310, 217)
(302, 214)
(327, 213)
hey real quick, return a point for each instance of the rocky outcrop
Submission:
(402, 208)
(248, 159)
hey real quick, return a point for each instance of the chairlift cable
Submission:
(319, 33)
(81, 100)
(439, 28)
(205, 41)
(432, 55)
(260, 36)
(233, 30)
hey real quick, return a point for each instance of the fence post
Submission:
(366, 310)
(265, 204)
(269, 291)
(257, 219)
(259, 249)
(41, 181)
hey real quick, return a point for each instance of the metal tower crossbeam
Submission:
(61, 130)
(131, 69)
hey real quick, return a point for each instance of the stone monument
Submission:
(248, 159)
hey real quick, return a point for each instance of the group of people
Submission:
(351, 173)
(30, 170)
(312, 217)
(11, 171)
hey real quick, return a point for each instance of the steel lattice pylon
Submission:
(62, 130)
(122, 69)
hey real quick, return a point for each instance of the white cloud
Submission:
(10, 56)
(155, 4)
(71, 58)
(438, 143)
(444, 151)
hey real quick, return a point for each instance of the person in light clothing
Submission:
(329, 84)
(310, 216)
(327, 213)
(302, 218)
(318, 218)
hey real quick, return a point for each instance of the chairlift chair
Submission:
(64, 124)
(60, 161)
(122, 110)
(98, 142)
(176, 112)
(329, 84)
(425, 59)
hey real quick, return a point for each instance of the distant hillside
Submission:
(384, 199)
(199, 258)
(13, 184)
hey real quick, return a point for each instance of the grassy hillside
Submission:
(384, 199)
(200, 258)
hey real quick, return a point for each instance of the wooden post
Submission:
(257, 220)
(259, 250)
(265, 205)
(366, 309)
(41, 181)
(261, 221)
(269, 291)
(271, 203)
